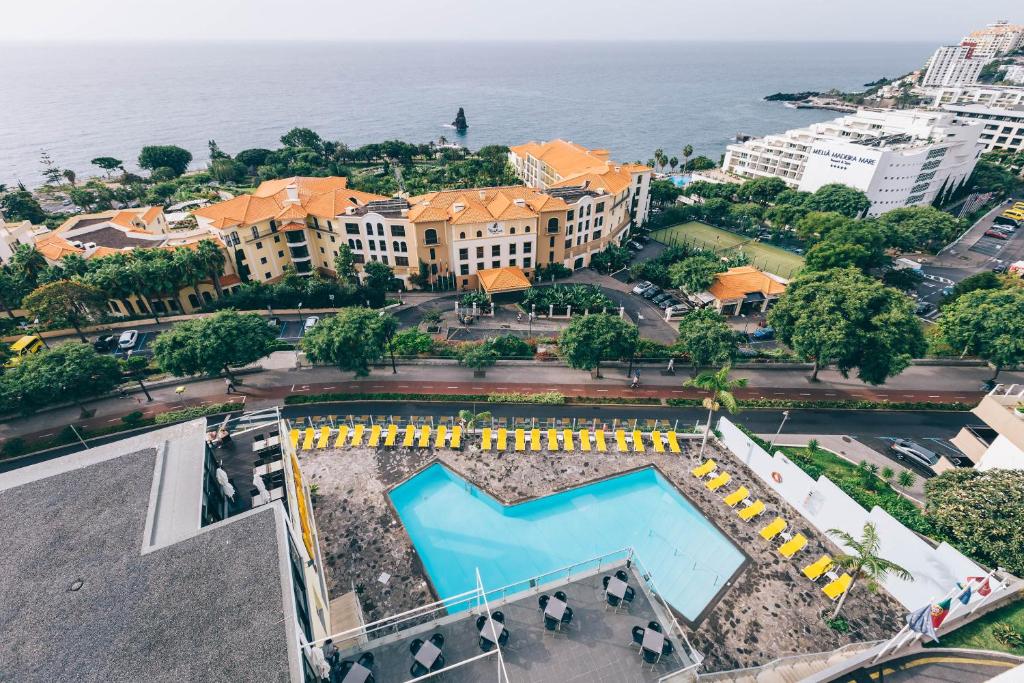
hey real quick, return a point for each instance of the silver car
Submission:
(914, 452)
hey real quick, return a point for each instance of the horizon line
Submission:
(434, 41)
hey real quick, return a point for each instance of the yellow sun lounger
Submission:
(294, 436)
(456, 440)
(703, 470)
(324, 437)
(485, 439)
(342, 435)
(776, 527)
(357, 435)
(585, 440)
(503, 440)
(307, 439)
(620, 441)
(442, 435)
(659, 447)
(673, 443)
(410, 436)
(734, 498)
(834, 589)
(599, 438)
(374, 439)
(552, 440)
(424, 441)
(815, 570)
(638, 441)
(793, 545)
(520, 438)
(567, 440)
(719, 481)
(753, 510)
(534, 439)
(389, 438)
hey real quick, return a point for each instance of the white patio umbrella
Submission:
(257, 481)
(225, 484)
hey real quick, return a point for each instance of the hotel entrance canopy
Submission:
(502, 280)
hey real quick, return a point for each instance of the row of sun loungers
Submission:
(715, 480)
(533, 440)
(376, 436)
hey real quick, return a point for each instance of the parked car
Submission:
(634, 245)
(105, 343)
(997, 234)
(946, 291)
(999, 270)
(763, 334)
(668, 303)
(1005, 220)
(310, 323)
(274, 322)
(642, 287)
(651, 292)
(128, 340)
(915, 452)
(661, 297)
(924, 307)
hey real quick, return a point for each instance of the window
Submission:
(277, 238)
(380, 230)
(316, 223)
(280, 254)
(512, 231)
(263, 260)
(512, 249)
(512, 262)
(527, 247)
(597, 234)
(600, 207)
(569, 216)
(551, 257)
(464, 269)
(495, 264)
(255, 232)
(401, 260)
(384, 259)
(332, 239)
(568, 244)
(373, 245)
(480, 265)
(479, 252)
(398, 231)
(322, 250)
(553, 225)
(430, 236)
(551, 242)
(433, 254)
(479, 234)
(273, 225)
(351, 228)
(259, 245)
(369, 229)
(463, 254)
(382, 245)
(462, 235)
(495, 250)
(526, 262)
(330, 227)
(527, 228)
(395, 247)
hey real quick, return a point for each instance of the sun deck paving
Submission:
(597, 646)
(769, 610)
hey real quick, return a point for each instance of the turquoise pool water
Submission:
(458, 528)
(679, 180)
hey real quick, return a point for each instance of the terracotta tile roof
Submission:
(53, 247)
(609, 180)
(482, 205)
(576, 165)
(229, 279)
(737, 282)
(121, 217)
(151, 215)
(100, 252)
(322, 197)
(495, 280)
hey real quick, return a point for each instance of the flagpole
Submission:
(993, 591)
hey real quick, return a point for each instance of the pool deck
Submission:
(597, 647)
(769, 610)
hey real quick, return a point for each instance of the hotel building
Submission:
(1002, 126)
(896, 157)
(955, 65)
(153, 559)
(998, 38)
(1000, 442)
(992, 95)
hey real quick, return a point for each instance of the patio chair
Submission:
(650, 657)
(503, 637)
(543, 601)
(294, 436)
(437, 639)
(817, 569)
(774, 528)
(719, 481)
(374, 440)
(567, 443)
(418, 670)
(366, 659)
(438, 663)
(456, 440)
(550, 623)
(638, 635)
(567, 616)
(654, 626)
(629, 595)
(324, 437)
(599, 440)
(605, 581)
(441, 438)
(424, 441)
(585, 440)
(389, 439)
(621, 575)
(638, 441)
(793, 545)
(480, 621)
(667, 648)
(342, 435)
(673, 442)
(410, 436)
(734, 498)
(307, 439)
(485, 439)
(534, 439)
(552, 440)
(753, 510)
(834, 589)
(485, 644)
(357, 435)
(703, 470)
(659, 446)
(612, 600)
(620, 441)
(560, 595)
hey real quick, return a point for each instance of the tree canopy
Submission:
(762, 190)
(981, 513)
(846, 318)
(20, 205)
(350, 340)
(175, 158)
(589, 339)
(69, 372)
(858, 244)
(988, 323)
(66, 302)
(983, 280)
(696, 273)
(706, 338)
(816, 225)
(913, 228)
(212, 345)
(838, 198)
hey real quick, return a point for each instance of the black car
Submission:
(924, 307)
(105, 343)
(651, 292)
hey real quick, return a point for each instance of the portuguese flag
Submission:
(939, 612)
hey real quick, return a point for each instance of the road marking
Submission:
(114, 420)
(604, 390)
(48, 434)
(328, 387)
(478, 388)
(805, 394)
(502, 388)
(403, 386)
(828, 394)
(377, 386)
(933, 396)
(677, 391)
(455, 387)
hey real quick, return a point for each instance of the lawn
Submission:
(977, 635)
(764, 256)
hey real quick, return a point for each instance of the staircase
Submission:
(790, 669)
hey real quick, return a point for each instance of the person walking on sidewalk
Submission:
(230, 385)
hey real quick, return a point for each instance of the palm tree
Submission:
(720, 387)
(687, 153)
(863, 561)
(192, 269)
(659, 154)
(27, 260)
(212, 258)
(673, 162)
(472, 420)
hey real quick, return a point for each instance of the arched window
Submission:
(369, 228)
(359, 244)
(380, 229)
(511, 231)
(553, 225)
(193, 301)
(527, 228)
(208, 297)
(351, 244)
(430, 236)
(395, 247)
(462, 235)
(479, 234)
(405, 247)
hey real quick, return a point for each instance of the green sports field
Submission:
(764, 256)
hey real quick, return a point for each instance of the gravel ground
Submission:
(771, 609)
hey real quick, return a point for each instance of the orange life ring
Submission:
(776, 477)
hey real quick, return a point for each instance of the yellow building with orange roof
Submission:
(744, 289)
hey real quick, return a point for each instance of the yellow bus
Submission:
(22, 348)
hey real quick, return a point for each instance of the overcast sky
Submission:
(115, 21)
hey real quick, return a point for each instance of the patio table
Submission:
(492, 630)
(653, 641)
(555, 608)
(616, 587)
(357, 674)
(427, 654)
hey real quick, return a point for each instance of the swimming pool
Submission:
(458, 528)
(679, 180)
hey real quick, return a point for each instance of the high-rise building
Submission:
(897, 157)
(955, 65)
(1002, 127)
(998, 38)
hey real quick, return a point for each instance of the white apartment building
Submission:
(993, 95)
(955, 65)
(997, 38)
(1002, 127)
(1000, 443)
(1014, 74)
(897, 157)
(13, 234)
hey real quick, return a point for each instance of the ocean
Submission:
(81, 101)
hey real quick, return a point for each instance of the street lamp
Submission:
(785, 416)
(331, 297)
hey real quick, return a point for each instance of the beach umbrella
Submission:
(225, 484)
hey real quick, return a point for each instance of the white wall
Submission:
(825, 506)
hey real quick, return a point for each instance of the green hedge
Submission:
(547, 398)
(298, 399)
(848, 405)
(193, 412)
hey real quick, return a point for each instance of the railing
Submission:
(682, 429)
(752, 671)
